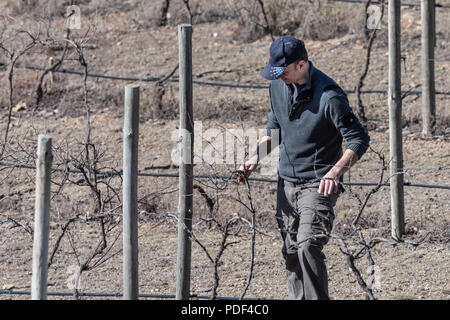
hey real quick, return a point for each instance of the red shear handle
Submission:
(240, 178)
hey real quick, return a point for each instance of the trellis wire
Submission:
(206, 176)
(206, 83)
(403, 4)
(118, 294)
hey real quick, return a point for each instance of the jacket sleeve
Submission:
(339, 113)
(272, 122)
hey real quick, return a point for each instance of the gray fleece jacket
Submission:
(313, 120)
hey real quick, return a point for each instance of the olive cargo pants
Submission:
(304, 217)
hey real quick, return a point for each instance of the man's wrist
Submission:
(254, 159)
(335, 172)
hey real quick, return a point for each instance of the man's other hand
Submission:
(329, 184)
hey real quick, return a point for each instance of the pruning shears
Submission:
(242, 174)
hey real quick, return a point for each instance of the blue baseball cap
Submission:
(283, 51)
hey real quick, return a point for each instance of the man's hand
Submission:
(329, 184)
(248, 167)
(263, 149)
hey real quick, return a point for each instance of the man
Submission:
(311, 115)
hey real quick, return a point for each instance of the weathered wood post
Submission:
(395, 122)
(41, 218)
(130, 170)
(186, 144)
(428, 85)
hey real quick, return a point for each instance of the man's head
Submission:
(287, 60)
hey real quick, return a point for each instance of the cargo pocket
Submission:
(316, 216)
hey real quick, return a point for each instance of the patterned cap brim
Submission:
(271, 72)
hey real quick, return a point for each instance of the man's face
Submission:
(293, 72)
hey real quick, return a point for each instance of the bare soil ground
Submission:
(124, 44)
